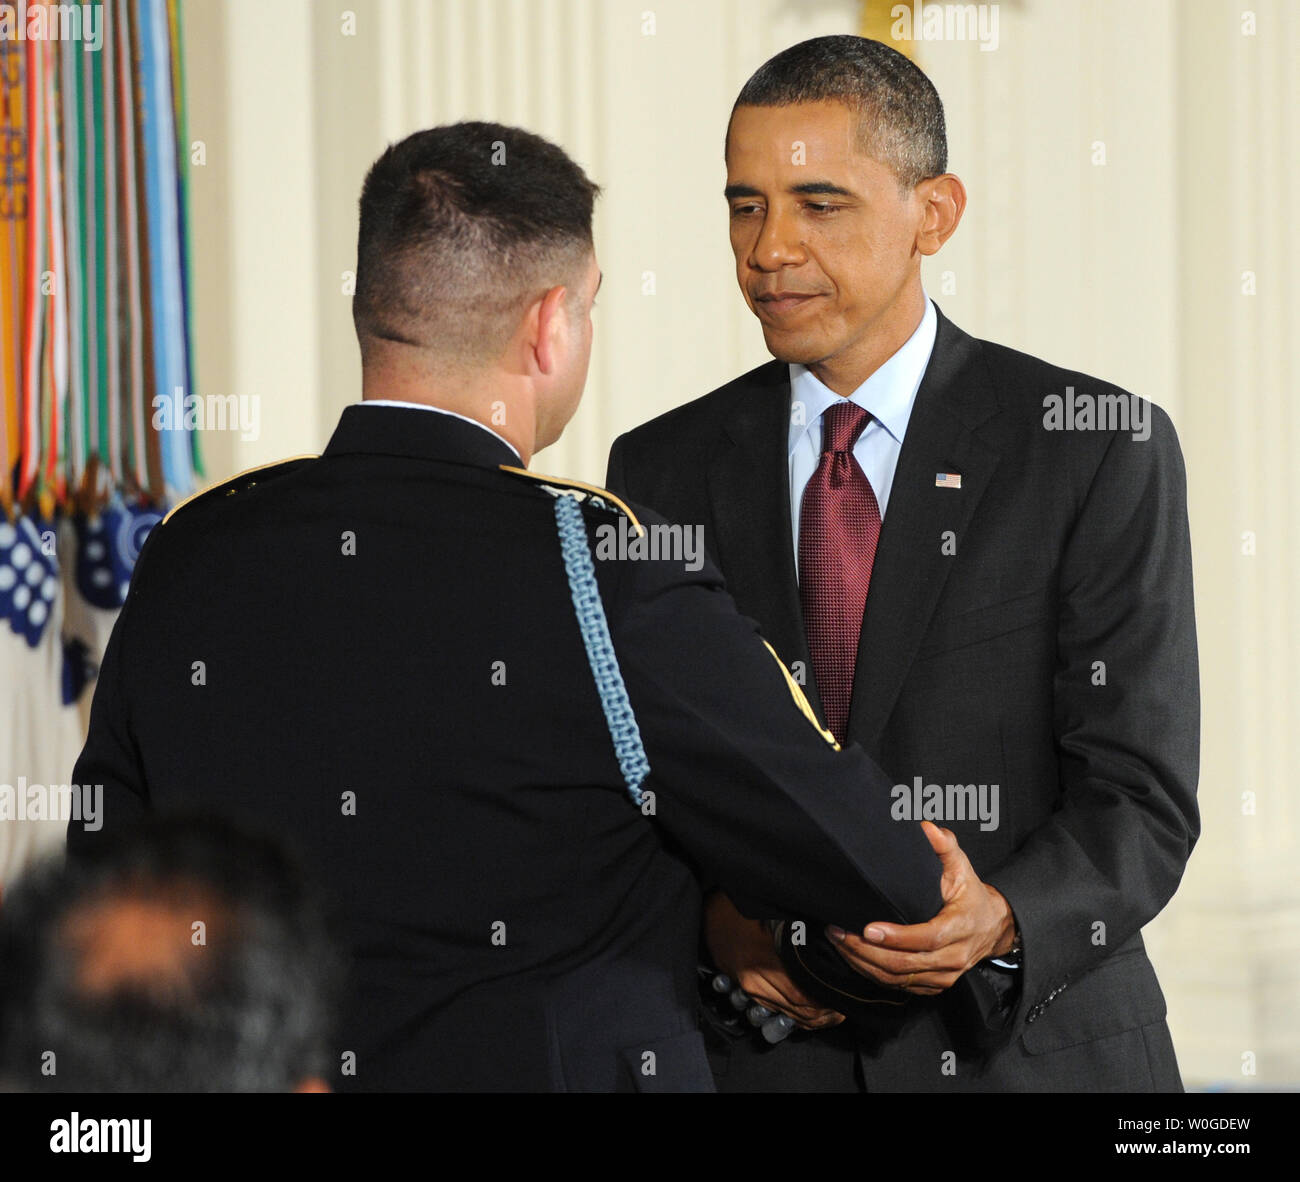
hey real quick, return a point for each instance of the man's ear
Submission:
(552, 329)
(945, 200)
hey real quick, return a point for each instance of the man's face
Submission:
(825, 242)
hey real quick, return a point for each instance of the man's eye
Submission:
(742, 210)
(820, 207)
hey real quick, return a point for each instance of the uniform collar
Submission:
(411, 430)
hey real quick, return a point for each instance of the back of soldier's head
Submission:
(461, 228)
(187, 957)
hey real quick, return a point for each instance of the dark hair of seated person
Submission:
(187, 956)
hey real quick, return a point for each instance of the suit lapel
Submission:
(749, 490)
(911, 567)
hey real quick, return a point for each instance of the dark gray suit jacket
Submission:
(1052, 654)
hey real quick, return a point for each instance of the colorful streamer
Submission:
(94, 295)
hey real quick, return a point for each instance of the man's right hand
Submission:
(743, 949)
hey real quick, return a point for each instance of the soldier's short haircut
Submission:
(461, 227)
(900, 115)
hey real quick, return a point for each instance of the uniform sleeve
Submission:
(614, 477)
(110, 761)
(743, 776)
(1127, 721)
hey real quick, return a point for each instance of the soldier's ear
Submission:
(552, 329)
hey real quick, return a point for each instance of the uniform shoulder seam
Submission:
(592, 493)
(232, 481)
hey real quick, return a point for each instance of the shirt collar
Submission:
(887, 395)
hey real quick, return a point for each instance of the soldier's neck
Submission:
(500, 408)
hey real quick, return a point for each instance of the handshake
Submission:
(784, 975)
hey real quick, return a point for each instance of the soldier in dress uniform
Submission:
(504, 744)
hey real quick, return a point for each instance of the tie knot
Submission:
(842, 424)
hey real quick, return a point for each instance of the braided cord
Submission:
(594, 626)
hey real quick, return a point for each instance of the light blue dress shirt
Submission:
(887, 395)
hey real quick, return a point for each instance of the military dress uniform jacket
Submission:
(1030, 626)
(374, 655)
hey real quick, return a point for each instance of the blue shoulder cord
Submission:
(618, 712)
(594, 626)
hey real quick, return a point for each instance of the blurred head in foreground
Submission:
(189, 956)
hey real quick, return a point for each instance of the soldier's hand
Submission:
(743, 949)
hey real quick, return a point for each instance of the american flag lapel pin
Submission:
(947, 480)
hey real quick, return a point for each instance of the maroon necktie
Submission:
(839, 525)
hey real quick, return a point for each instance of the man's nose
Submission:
(778, 244)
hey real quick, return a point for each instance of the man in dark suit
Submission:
(387, 655)
(980, 562)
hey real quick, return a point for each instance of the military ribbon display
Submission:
(94, 298)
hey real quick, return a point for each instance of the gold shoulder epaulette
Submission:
(238, 483)
(591, 493)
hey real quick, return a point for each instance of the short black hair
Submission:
(900, 115)
(250, 1011)
(461, 226)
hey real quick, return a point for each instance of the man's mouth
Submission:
(778, 305)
